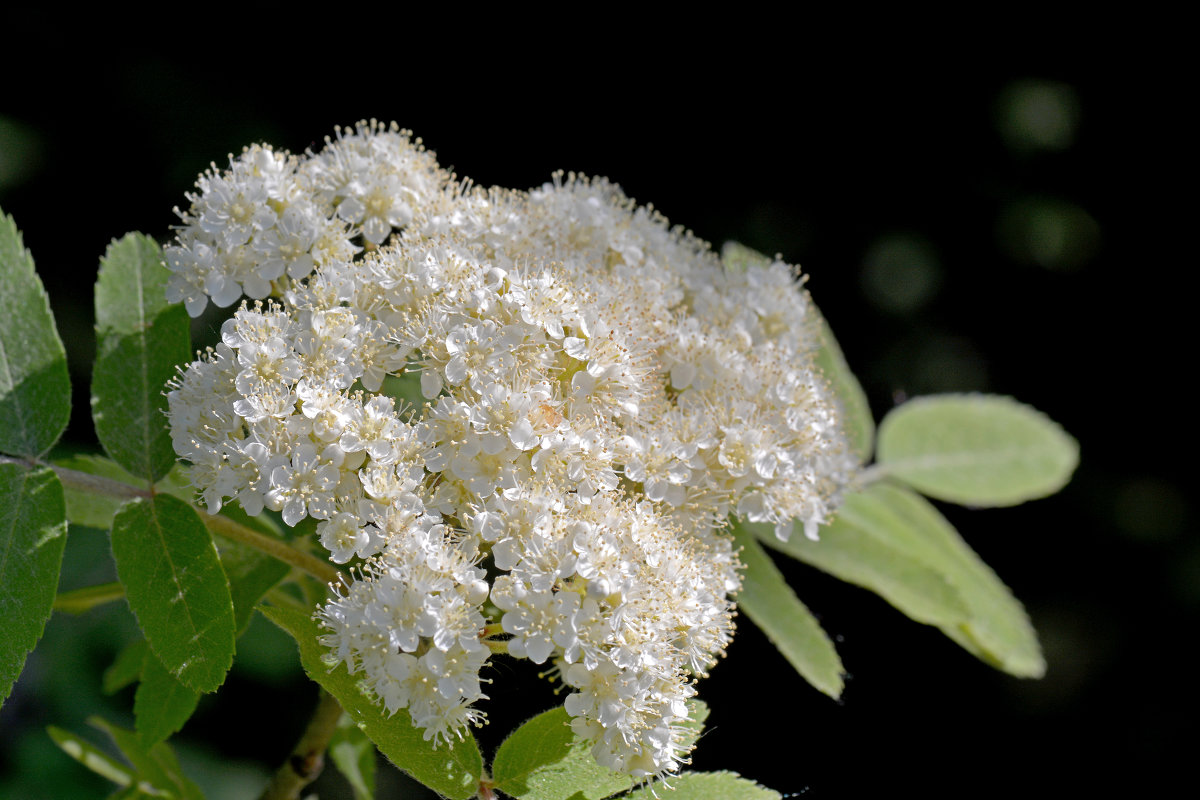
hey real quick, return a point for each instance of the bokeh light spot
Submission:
(20, 153)
(1051, 233)
(1038, 115)
(901, 273)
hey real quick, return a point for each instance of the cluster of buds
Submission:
(601, 393)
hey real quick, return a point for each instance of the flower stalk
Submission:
(216, 523)
(235, 531)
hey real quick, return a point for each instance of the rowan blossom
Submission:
(600, 393)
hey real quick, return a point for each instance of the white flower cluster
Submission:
(601, 394)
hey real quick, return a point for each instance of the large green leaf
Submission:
(979, 450)
(916, 560)
(35, 391)
(857, 421)
(871, 557)
(33, 533)
(706, 786)
(176, 588)
(772, 605)
(140, 339)
(544, 760)
(354, 756)
(453, 770)
(997, 629)
(162, 703)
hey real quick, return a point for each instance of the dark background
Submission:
(974, 223)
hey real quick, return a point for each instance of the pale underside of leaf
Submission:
(979, 450)
(893, 542)
(706, 786)
(771, 604)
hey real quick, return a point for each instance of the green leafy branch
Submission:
(976, 450)
(193, 598)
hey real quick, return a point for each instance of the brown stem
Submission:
(84, 481)
(307, 758)
(224, 526)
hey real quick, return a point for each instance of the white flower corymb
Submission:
(601, 394)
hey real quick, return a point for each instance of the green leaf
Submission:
(706, 786)
(870, 556)
(737, 257)
(35, 391)
(544, 760)
(857, 420)
(33, 534)
(251, 575)
(156, 766)
(453, 770)
(140, 339)
(405, 389)
(162, 704)
(126, 668)
(92, 757)
(997, 630)
(176, 588)
(130, 793)
(979, 450)
(979, 612)
(771, 604)
(354, 756)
